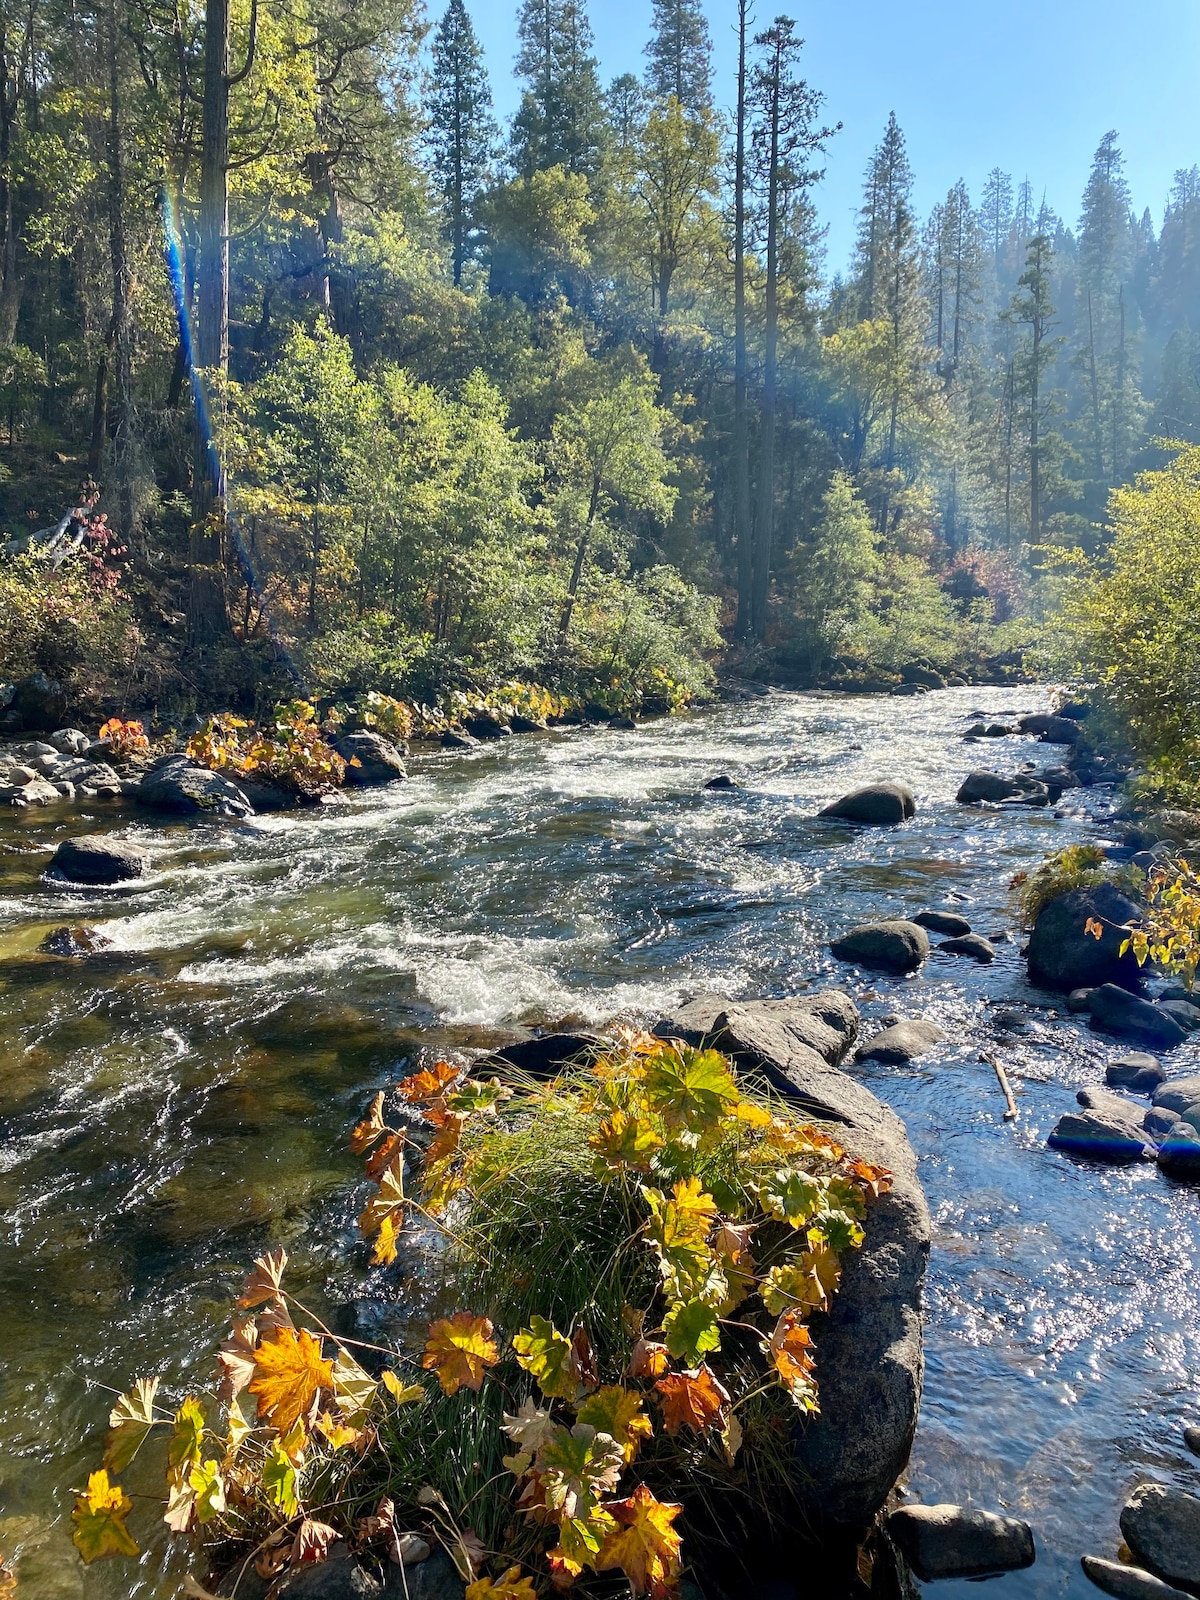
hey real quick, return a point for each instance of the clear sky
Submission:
(1030, 86)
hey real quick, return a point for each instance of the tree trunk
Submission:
(580, 557)
(122, 332)
(100, 405)
(764, 527)
(741, 444)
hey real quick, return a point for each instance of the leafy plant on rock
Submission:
(290, 750)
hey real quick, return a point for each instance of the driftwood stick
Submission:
(987, 1056)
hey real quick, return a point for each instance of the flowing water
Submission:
(171, 1107)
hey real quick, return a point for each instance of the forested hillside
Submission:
(577, 400)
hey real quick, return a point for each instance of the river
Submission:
(170, 1108)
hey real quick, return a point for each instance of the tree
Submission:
(676, 180)
(741, 434)
(461, 128)
(786, 137)
(680, 56)
(1104, 260)
(561, 120)
(1032, 308)
(834, 569)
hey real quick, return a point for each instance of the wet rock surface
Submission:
(1114, 1010)
(1063, 955)
(903, 1041)
(947, 1541)
(893, 946)
(878, 805)
(98, 859)
(1126, 1582)
(1161, 1525)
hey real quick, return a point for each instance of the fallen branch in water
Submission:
(986, 1055)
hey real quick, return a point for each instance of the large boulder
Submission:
(1136, 1071)
(980, 787)
(39, 702)
(1179, 1152)
(893, 946)
(484, 724)
(1179, 1095)
(904, 1041)
(960, 1541)
(1127, 1583)
(915, 672)
(1052, 730)
(98, 859)
(948, 923)
(1161, 1525)
(1114, 1010)
(868, 1346)
(177, 784)
(878, 805)
(1118, 1139)
(378, 759)
(767, 1031)
(1064, 955)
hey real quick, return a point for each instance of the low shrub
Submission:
(1168, 933)
(1079, 866)
(290, 750)
(630, 1258)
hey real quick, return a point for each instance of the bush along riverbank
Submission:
(645, 1271)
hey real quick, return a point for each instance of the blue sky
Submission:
(1030, 86)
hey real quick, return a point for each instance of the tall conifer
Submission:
(461, 128)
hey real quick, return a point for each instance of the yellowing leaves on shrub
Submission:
(368, 1130)
(288, 1375)
(509, 1586)
(99, 1520)
(265, 1282)
(549, 1358)
(313, 1540)
(129, 1421)
(279, 1479)
(789, 1350)
(387, 1204)
(459, 1350)
(791, 1196)
(618, 1413)
(644, 1545)
(428, 1084)
(623, 1140)
(691, 1090)
(691, 1399)
(208, 1486)
(381, 1156)
(800, 1284)
(235, 1358)
(187, 1438)
(691, 1331)
(575, 1468)
(402, 1393)
(648, 1359)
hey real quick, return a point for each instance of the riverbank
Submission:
(181, 1101)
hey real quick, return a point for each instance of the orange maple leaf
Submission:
(790, 1353)
(368, 1130)
(648, 1359)
(695, 1398)
(264, 1282)
(288, 1375)
(382, 1155)
(429, 1083)
(459, 1350)
(875, 1180)
(645, 1546)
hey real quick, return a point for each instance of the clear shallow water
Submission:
(171, 1108)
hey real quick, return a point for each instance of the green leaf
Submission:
(691, 1331)
(547, 1356)
(279, 1480)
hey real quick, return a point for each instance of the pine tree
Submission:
(561, 121)
(461, 128)
(1033, 308)
(680, 55)
(1105, 251)
(626, 115)
(996, 210)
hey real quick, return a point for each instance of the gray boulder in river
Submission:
(869, 1362)
(948, 923)
(1114, 1010)
(878, 805)
(96, 859)
(378, 759)
(893, 946)
(1063, 955)
(1161, 1525)
(903, 1041)
(1128, 1583)
(947, 1541)
(178, 784)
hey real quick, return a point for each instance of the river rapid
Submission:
(174, 1106)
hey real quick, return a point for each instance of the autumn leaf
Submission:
(129, 1421)
(385, 1251)
(616, 1412)
(288, 1375)
(99, 1518)
(353, 1389)
(549, 1358)
(181, 1506)
(678, 1229)
(459, 1350)
(382, 1155)
(584, 1358)
(264, 1282)
(402, 1393)
(509, 1586)
(532, 1426)
(387, 1202)
(691, 1090)
(236, 1358)
(575, 1468)
(187, 1438)
(644, 1545)
(622, 1140)
(208, 1487)
(806, 1282)
(875, 1180)
(279, 1479)
(368, 1130)
(648, 1359)
(446, 1141)
(429, 1083)
(792, 1196)
(313, 1540)
(789, 1351)
(240, 1429)
(336, 1433)
(731, 1437)
(691, 1331)
(691, 1399)
(8, 1580)
(473, 1096)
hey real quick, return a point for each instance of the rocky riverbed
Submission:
(178, 1096)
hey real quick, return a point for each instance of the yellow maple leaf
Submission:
(187, 1438)
(548, 1357)
(622, 1140)
(129, 1421)
(692, 1399)
(385, 1251)
(264, 1282)
(509, 1586)
(387, 1203)
(459, 1350)
(618, 1413)
(99, 1518)
(644, 1545)
(288, 1374)
(789, 1350)
(402, 1393)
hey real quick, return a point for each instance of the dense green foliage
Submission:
(492, 403)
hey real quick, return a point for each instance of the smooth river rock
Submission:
(1063, 955)
(1161, 1525)
(1178, 1094)
(178, 784)
(98, 859)
(948, 923)
(1179, 1152)
(1050, 729)
(1128, 1583)
(1114, 1010)
(978, 787)
(972, 945)
(1136, 1071)
(948, 1541)
(1107, 1129)
(546, 1056)
(869, 1363)
(1191, 1438)
(378, 759)
(765, 1032)
(893, 946)
(903, 1041)
(878, 805)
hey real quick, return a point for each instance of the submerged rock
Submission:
(877, 805)
(1063, 955)
(74, 942)
(948, 1541)
(722, 781)
(1161, 1525)
(1114, 1010)
(1128, 1583)
(903, 1041)
(948, 923)
(894, 946)
(97, 859)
